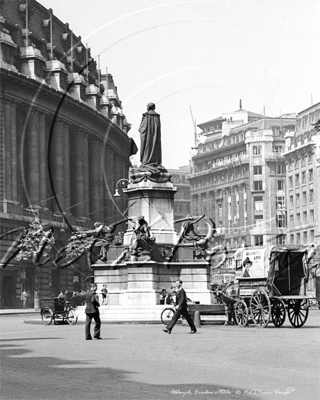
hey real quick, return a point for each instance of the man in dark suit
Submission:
(92, 311)
(181, 309)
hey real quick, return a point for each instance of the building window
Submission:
(258, 219)
(298, 238)
(281, 239)
(258, 240)
(258, 203)
(280, 203)
(280, 185)
(298, 200)
(296, 163)
(256, 150)
(290, 182)
(305, 220)
(281, 220)
(303, 161)
(277, 149)
(298, 219)
(304, 179)
(257, 170)
(292, 239)
(304, 198)
(310, 175)
(281, 169)
(312, 235)
(257, 185)
(312, 216)
(311, 196)
(305, 237)
(297, 180)
(291, 220)
(310, 158)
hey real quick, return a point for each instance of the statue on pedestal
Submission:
(143, 241)
(150, 149)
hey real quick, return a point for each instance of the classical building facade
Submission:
(238, 178)
(182, 197)
(63, 145)
(302, 157)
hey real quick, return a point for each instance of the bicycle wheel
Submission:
(46, 316)
(167, 315)
(72, 317)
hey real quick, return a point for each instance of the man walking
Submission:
(181, 309)
(92, 311)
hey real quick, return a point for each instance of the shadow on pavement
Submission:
(49, 378)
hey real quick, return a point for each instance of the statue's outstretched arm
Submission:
(199, 219)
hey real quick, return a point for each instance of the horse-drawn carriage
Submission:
(271, 283)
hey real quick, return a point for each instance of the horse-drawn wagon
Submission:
(271, 284)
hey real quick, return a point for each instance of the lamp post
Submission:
(116, 192)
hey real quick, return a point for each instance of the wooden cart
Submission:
(272, 284)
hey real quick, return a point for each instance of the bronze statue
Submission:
(143, 240)
(150, 141)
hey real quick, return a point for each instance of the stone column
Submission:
(57, 165)
(43, 161)
(225, 209)
(81, 172)
(109, 184)
(14, 154)
(33, 160)
(66, 169)
(208, 205)
(7, 153)
(96, 204)
(85, 155)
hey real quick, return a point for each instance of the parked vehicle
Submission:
(59, 311)
(272, 283)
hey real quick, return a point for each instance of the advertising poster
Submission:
(253, 265)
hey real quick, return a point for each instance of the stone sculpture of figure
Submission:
(150, 140)
(103, 237)
(143, 239)
(187, 230)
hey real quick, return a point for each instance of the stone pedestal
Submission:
(140, 283)
(154, 201)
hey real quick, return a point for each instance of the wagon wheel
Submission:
(298, 311)
(278, 312)
(241, 313)
(46, 316)
(72, 317)
(260, 308)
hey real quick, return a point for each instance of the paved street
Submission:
(139, 361)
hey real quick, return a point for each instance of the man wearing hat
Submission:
(92, 311)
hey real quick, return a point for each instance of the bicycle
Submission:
(62, 311)
(167, 314)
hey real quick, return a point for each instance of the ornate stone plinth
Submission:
(154, 201)
(137, 278)
(133, 283)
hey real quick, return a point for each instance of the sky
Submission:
(195, 59)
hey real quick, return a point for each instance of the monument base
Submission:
(140, 283)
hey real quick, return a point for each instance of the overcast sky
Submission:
(203, 54)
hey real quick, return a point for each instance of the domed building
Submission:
(64, 145)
